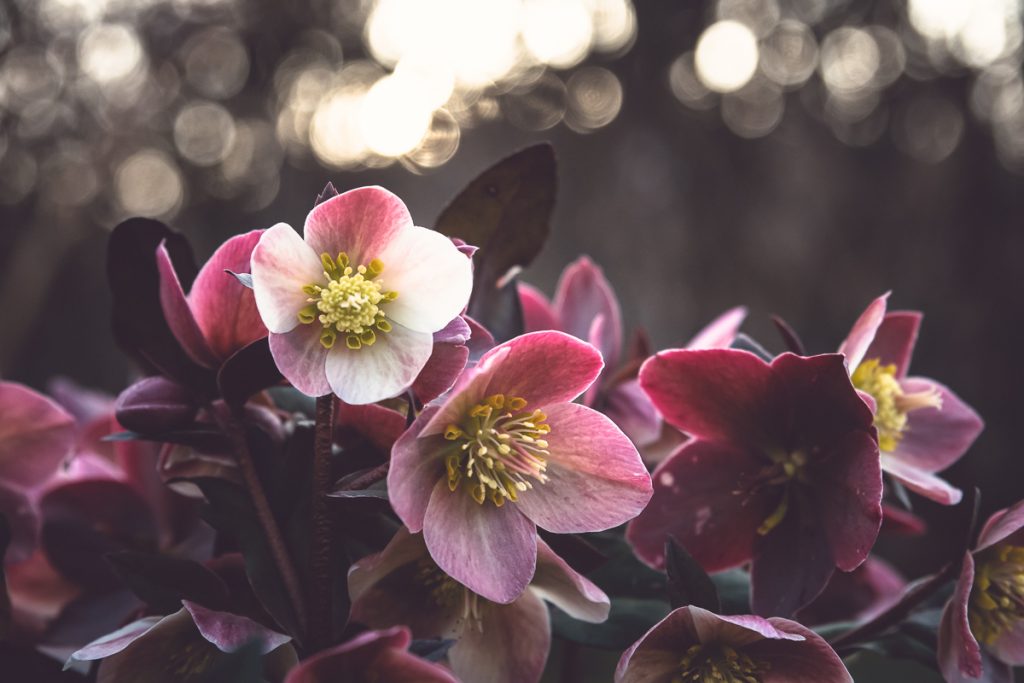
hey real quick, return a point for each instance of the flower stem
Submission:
(231, 426)
(321, 585)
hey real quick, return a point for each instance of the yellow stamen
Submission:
(892, 404)
(349, 304)
(718, 663)
(997, 598)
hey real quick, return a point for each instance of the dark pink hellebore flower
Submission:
(495, 643)
(372, 656)
(507, 452)
(981, 635)
(923, 427)
(693, 645)
(585, 306)
(352, 306)
(782, 470)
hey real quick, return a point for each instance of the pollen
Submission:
(498, 450)
(892, 404)
(449, 594)
(717, 663)
(997, 598)
(349, 305)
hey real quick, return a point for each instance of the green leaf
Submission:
(688, 583)
(629, 619)
(244, 665)
(506, 212)
(733, 591)
(162, 582)
(872, 667)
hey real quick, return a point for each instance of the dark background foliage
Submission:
(686, 217)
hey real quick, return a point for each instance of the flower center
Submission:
(787, 467)
(499, 447)
(448, 593)
(349, 304)
(892, 404)
(997, 599)
(718, 664)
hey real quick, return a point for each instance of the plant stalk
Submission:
(321, 585)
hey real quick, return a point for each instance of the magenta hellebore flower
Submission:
(782, 470)
(981, 635)
(692, 645)
(371, 656)
(585, 306)
(507, 452)
(36, 435)
(923, 427)
(352, 307)
(495, 643)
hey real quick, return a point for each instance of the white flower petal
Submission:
(380, 371)
(432, 277)
(282, 264)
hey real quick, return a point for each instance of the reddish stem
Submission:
(321, 585)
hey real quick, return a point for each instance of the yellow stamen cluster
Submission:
(892, 404)
(788, 466)
(997, 598)
(718, 664)
(349, 304)
(499, 447)
(448, 593)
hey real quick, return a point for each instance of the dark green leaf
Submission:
(249, 370)
(733, 591)
(163, 582)
(230, 511)
(745, 343)
(575, 549)
(629, 619)
(874, 667)
(623, 574)
(688, 583)
(506, 212)
(204, 438)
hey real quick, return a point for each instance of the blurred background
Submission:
(797, 156)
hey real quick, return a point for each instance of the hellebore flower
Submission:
(507, 452)
(782, 470)
(493, 642)
(219, 316)
(859, 595)
(692, 645)
(36, 435)
(585, 306)
(352, 307)
(981, 635)
(923, 427)
(183, 647)
(371, 656)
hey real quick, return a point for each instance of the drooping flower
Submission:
(585, 306)
(371, 656)
(506, 452)
(782, 470)
(352, 306)
(981, 635)
(693, 645)
(923, 427)
(493, 642)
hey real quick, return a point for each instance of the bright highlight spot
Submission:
(726, 56)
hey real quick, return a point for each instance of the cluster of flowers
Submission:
(769, 464)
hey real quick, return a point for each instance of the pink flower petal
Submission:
(935, 438)
(959, 653)
(228, 632)
(22, 522)
(282, 264)
(537, 311)
(583, 295)
(380, 371)
(432, 278)
(596, 479)
(810, 661)
(895, 339)
(360, 222)
(720, 332)
(490, 550)
(714, 394)
(224, 309)
(416, 467)
(446, 363)
(178, 314)
(559, 584)
(1009, 645)
(921, 482)
(863, 332)
(1001, 525)
(695, 502)
(36, 435)
(404, 548)
(739, 629)
(512, 646)
(115, 642)
(302, 359)
(848, 492)
(628, 406)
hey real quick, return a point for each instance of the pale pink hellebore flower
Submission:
(352, 307)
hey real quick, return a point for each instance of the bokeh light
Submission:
(726, 56)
